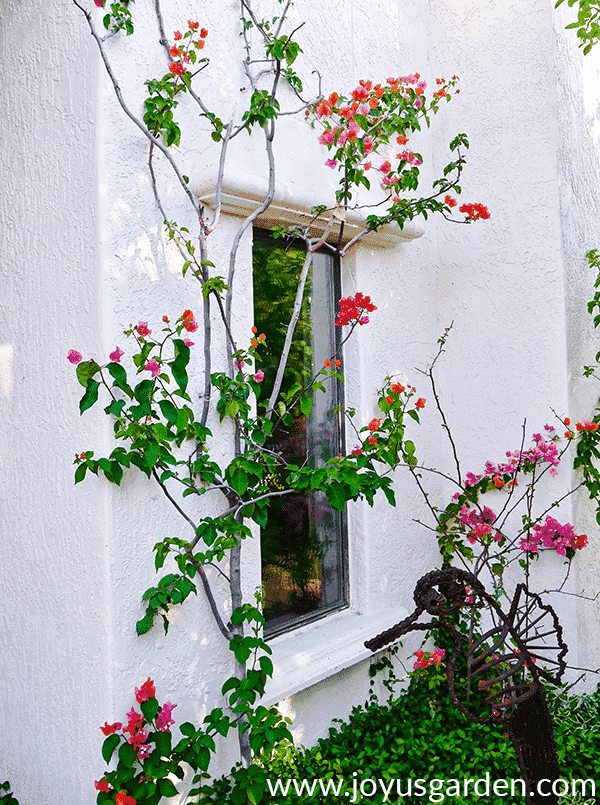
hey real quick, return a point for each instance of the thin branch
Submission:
(130, 114)
(205, 583)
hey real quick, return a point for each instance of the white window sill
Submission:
(241, 199)
(314, 652)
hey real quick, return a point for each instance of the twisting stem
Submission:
(205, 583)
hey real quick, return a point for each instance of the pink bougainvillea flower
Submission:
(259, 376)
(331, 163)
(134, 721)
(74, 356)
(142, 328)
(147, 691)
(188, 343)
(357, 450)
(153, 366)
(163, 719)
(143, 751)
(116, 355)
(100, 4)
(102, 785)
(138, 738)
(177, 35)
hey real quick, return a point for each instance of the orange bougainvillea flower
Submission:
(397, 388)
(261, 337)
(327, 363)
(337, 362)
(254, 342)
(255, 329)
(374, 425)
(420, 403)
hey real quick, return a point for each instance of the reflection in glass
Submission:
(302, 545)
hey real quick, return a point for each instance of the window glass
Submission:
(303, 542)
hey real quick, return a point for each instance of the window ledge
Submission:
(239, 199)
(314, 652)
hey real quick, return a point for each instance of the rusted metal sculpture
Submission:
(504, 665)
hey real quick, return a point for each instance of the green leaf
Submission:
(144, 625)
(109, 746)
(167, 788)
(149, 708)
(90, 396)
(80, 473)
(169, 411)
(85, 370)
(127, 754)
(119, 374)
(306, 405)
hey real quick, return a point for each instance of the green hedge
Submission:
(421, 734)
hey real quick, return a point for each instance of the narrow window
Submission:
(303, 544)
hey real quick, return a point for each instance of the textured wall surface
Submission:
(83, 256)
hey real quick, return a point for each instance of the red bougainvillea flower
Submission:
(174, 51)
(451, 202)
(193, 25)
(357, 450)
(142, 328)
(397, 388)
(153, 366)
(474, 211)
(203, 33)
(116, 355)
(189, 322)
(352, 309)
(178, 35)
(99, 3)
(74, 356)
(567, 421)
(420, 403)
(108, 729)
(177, 68)
(372, 439)
(102, 785)
(147, 691)
(374, 425)
(124, 799)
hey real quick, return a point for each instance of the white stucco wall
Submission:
(82, 257)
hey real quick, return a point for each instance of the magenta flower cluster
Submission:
(553, 536)
(544, 452)
(480, 523)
